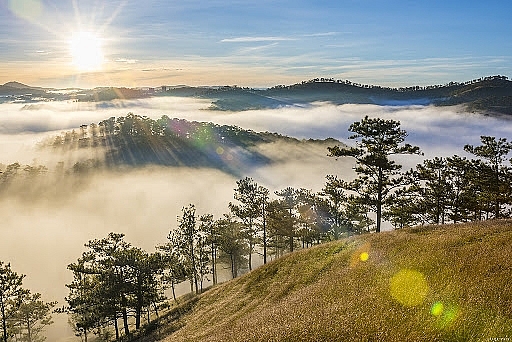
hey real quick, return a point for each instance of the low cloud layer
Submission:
(41, 235)
(437, 130)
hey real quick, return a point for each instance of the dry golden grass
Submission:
(439, 283)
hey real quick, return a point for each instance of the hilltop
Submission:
(488, 95)
(136, 140)
(432, 283)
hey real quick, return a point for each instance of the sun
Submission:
(86, 51)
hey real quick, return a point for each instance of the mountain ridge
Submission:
(488, 95)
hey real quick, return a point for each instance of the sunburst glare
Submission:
(86, 51)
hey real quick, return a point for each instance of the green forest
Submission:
(118, 289)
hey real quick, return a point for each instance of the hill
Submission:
(16, 85)
(437, 283)
(136, 140)
(489, 95)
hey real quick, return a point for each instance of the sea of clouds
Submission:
(40, 236)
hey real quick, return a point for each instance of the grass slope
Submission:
(442, 283)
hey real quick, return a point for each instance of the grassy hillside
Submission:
(444, 283)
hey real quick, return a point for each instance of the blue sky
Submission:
(256, 43)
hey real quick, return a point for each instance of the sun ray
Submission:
(86, 51)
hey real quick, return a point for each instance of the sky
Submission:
(252, 43)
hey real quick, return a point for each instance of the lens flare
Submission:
(361, 254)
(448, 317)
(364, 256)
(437, 309)
(408, 287)
(446, 314)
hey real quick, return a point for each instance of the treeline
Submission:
(139, 140)
(143, 130)
(453, 189)
(23, 314)
(457, 189)
(452, 84)
(115, 282)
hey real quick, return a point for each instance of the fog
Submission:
(437, 130)
(44, 229)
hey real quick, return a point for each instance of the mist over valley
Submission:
(49, 215)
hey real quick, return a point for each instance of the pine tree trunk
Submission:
(173, 290)
(29, 332)
(214, 269)
(264, 234)
(4, 319)
(156, 310)
(116, 326)
(379, 201)
(233, 266)
(125, 315)
(250, 254)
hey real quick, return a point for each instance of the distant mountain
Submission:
(489, 95)
(109, 94)
(16, 85)
(17, 89)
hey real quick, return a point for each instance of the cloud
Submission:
(437, 130)
(254, 49)
(126, 60)
(255, 39)
(322, 34)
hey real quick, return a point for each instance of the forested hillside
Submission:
(488, 95)
(138, 140)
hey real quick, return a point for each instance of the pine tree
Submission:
(232, 243)
(249, 210)
(11, 293)
(32, 316)
(494, 176)
(377, 141)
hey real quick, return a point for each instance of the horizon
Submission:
(259, 44)
(355, 84)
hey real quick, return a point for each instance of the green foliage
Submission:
(251, 198)
(232, 242)
(189, 234)
(23, 315)
(281, 225)
(175, 271)
(493, 176)
(378, 140)
(32, 316)
(10, 292)
(110, 280)
(191, 250)
(139, 140)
